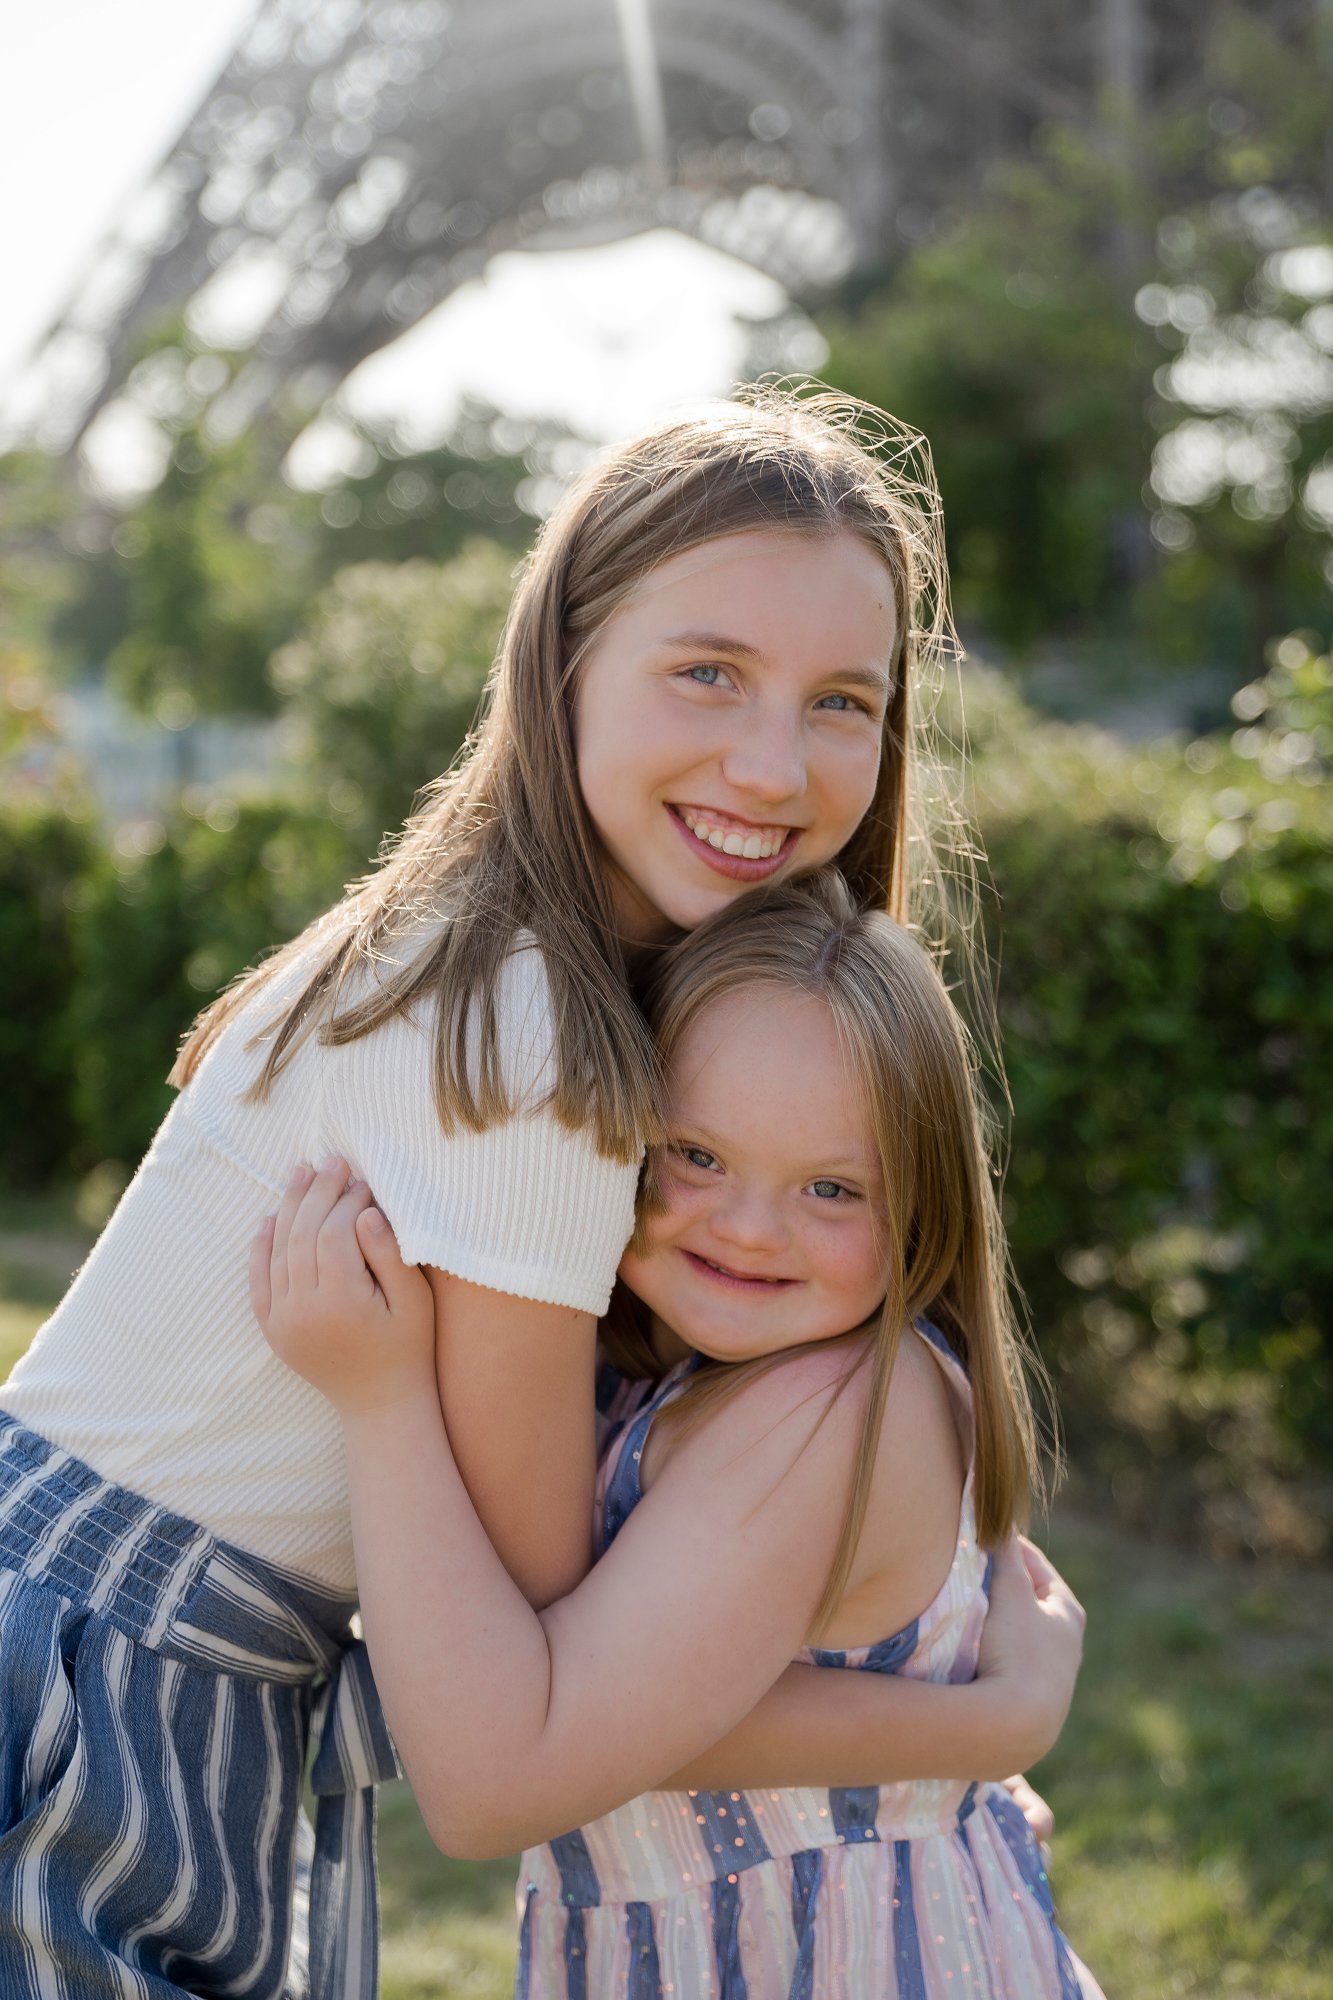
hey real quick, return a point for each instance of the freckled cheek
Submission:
(686, 1209)
(851, 1270)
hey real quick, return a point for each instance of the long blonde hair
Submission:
(944, 1251)
(503, 842)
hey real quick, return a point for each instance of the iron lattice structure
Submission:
(357, 160)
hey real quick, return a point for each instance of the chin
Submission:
(737, 1350)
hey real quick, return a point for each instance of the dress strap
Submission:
(620, 1484)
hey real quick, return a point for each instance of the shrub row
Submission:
(107, 955)
(1164, 930)
(1163, 927)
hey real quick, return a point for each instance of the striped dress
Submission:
(912, 1891)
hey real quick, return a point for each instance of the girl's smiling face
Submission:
(772, 1192)
(729, 717)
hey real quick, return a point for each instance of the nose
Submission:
(750, 1220)
(766, 757)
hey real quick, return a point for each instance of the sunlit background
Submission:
(312, 307)
(601, 338)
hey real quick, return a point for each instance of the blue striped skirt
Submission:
(158, 1691)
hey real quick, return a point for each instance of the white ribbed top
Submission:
(152, 1367)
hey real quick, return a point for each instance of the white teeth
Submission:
(749, 847)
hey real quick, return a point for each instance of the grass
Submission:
(42, 1243)
(1194, 1851)
(1193, 1787)
(449, 1926)
(1194, 1839)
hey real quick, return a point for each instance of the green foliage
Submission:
(43, 851)
(36, 576)
(428, 502)
(207, 601)
(1192, 1855)
(1166, 1009)
(1167, 1018)
(110, 953)
(1011, 341)
(27, 713)
(386, 676)
(197, 583)
(1008, 345)
(158, 933)
(1241, 313)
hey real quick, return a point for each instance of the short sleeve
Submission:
(526, 1207)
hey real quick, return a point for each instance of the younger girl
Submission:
(709, 678)
(820, 1219)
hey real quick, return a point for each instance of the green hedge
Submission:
(1164, 931)
(43, 853)
(1164, 925)
(156, 934)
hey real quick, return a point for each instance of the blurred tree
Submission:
(158, 927)
(207, 601)
(25, 703)
(490, 476)
(1011, 344)
(36, 573)
(216, 564)
(43, 851)
(385, 679)
(1027, 347)
(1242, 302)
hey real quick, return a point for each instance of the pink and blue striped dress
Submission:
(932, 1890)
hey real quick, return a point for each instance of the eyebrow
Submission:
(718, 642)
(714, 642)
(856, 1166)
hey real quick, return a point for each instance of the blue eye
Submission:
(828, 1190)
(846, 705)
(697, 1156)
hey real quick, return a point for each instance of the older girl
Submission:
(709, 680)
(820, 1220)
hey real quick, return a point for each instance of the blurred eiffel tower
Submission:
(358, 160)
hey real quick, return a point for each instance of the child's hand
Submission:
(1033, 1641)
(1040, 1818)
(336, 1301)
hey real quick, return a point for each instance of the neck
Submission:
(667, 1345)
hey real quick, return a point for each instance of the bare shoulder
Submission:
(912, 1517)
(922, 1412)
(809, 1404)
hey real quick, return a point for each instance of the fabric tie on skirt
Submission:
(86, 1565)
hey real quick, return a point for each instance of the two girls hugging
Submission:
(652, 966)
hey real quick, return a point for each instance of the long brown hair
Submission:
(945, 1257)
(503, 843)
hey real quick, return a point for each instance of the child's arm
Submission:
(814, 1727)
(513, 1725)
(518, 1375)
